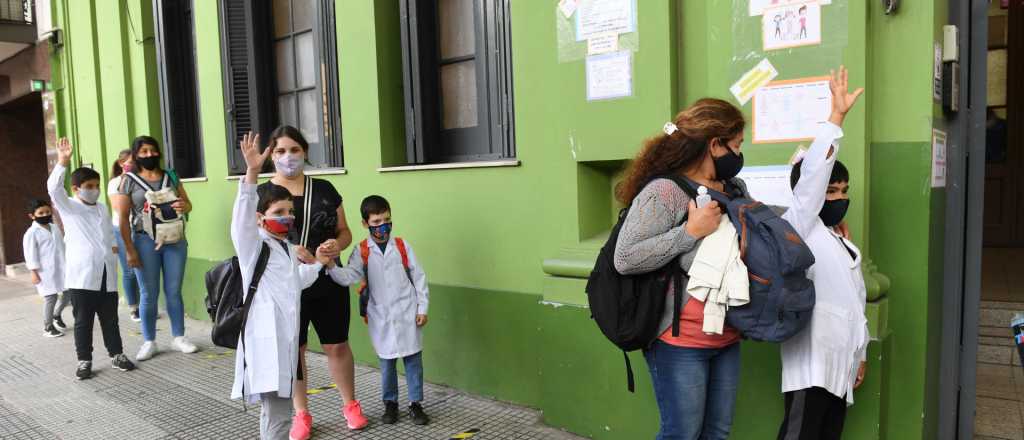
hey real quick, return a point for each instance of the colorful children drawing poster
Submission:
(791, 26)
(791, 111)
(757, 7)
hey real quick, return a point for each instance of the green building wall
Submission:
(506, 249)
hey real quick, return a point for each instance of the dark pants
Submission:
(88, 304)
(813, 414)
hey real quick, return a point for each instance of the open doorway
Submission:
(1000, 377)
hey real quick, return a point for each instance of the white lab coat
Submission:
(88, 240)
(44, 253)
(394, 301)
(828, 352)
(718, 277)
(268, 360)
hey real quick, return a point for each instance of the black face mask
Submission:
(44, 220)
(834, 211)
(150, 163)
(729, 165)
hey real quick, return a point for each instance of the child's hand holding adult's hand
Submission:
(421, 320)
(303, 255)
(323, 257)
(702, 222)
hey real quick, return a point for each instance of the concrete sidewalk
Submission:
(179, 396)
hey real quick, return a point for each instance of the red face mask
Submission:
(278, 225)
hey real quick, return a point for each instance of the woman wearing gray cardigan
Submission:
(695, 375)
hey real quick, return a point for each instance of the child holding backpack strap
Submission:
(823, 364)
(396, 305)
(266, 363)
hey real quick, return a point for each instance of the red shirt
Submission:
(691, 333)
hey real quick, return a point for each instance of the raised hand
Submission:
(64, 151)
(842, 98)
(250, 145)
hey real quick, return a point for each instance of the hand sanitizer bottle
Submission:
(702, 196)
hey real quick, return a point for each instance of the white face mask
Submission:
(89, 196)
(289, 164)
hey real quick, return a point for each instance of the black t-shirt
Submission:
(323, 210)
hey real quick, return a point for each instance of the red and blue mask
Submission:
(278, 225)
(381, 232)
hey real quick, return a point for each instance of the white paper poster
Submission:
(937, 73)
(938, 159)
(791, 26)
(791, 111)
(600, 44)
(757, 7)
(597, 17)
(609, 76)
(568, 7)
(769, 184)
(753, 80)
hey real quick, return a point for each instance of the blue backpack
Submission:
(781, 296)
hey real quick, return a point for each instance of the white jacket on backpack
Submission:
(828, 352)
(268, 360)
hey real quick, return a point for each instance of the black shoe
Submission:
(59, 323)
(122, 363)
(390, 413)
(135, 316)
(84, 370)
(51, 332)
(418, 416)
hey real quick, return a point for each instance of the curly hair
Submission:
(665, 154)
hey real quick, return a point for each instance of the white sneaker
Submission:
(147, 351)
(183, 345)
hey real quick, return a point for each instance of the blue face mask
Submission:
(381, 232)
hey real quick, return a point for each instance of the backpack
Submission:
(777, 259)
(159, 220)
(628, 308)
(364, 288)
(224, 298)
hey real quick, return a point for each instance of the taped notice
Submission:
(757, 7)
(791, 111)
(609, 76)
(604, 43)
(791, 26)
(753, 80)
(938, 159)
(768, 184)
(597, 17)
(568, 7)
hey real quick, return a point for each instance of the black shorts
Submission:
(326, 305)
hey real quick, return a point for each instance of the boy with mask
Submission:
(43, 246)
(824, 363)
(91, 263)
(397, 308)
(267, 359)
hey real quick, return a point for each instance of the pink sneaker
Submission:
(353, 413)
(302, 424)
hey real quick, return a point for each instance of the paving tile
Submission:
(185, 396)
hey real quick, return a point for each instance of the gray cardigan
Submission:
(654, 233)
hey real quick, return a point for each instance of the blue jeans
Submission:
(413, 377)
(170, 261)
(128, 280)
(695, 389)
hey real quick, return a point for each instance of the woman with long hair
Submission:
(695, 375)
(122, 165)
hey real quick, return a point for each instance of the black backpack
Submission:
(224, 298)
(628, 308)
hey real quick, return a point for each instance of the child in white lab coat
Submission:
(824, 363)
(397, 307)
(91, 265)
(43, 246)
(266, 362)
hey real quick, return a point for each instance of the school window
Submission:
(179, 90)
(458, 84)
(280, 68)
